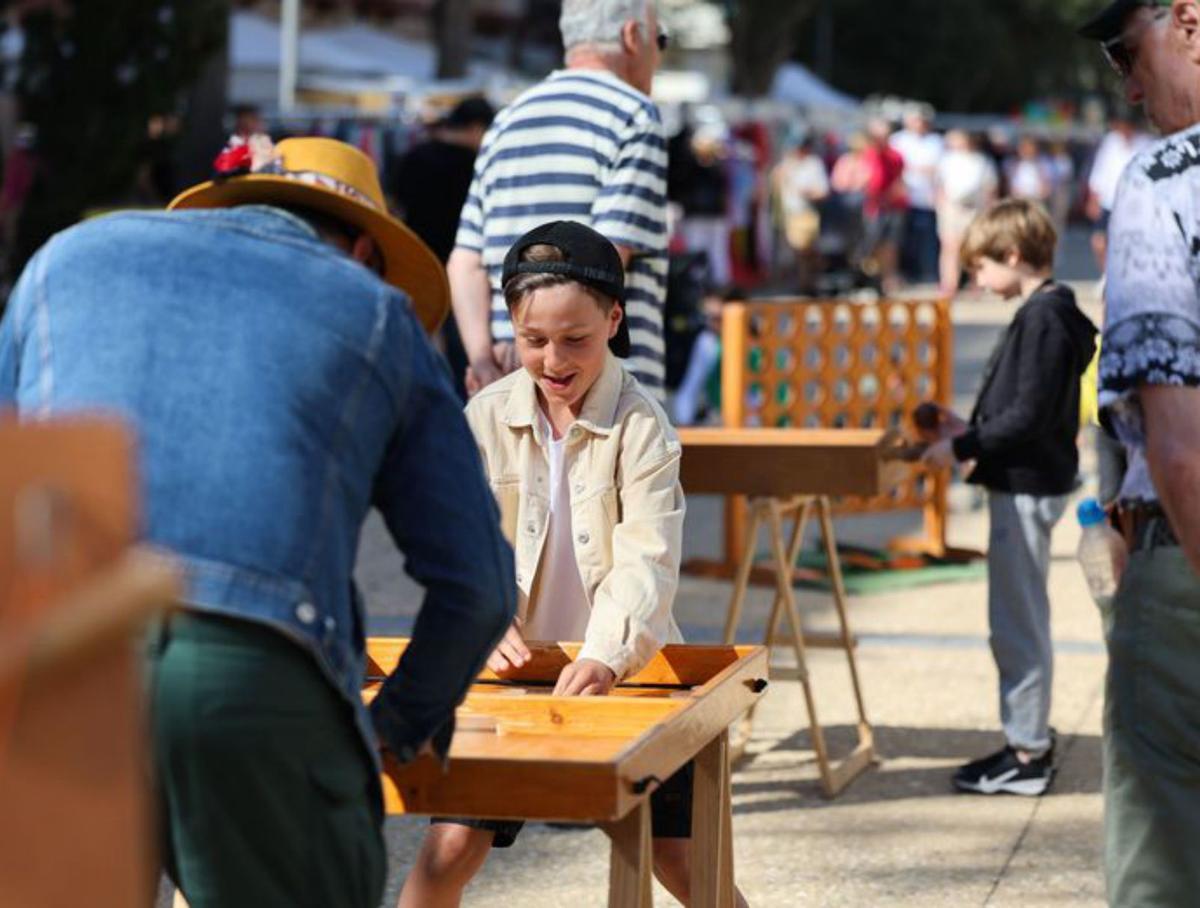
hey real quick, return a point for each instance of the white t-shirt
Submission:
(1152, 294)
(1028, 179)
(561, 609)
(921, 156)
(966, 177)
(1114, 153)
(798, 178)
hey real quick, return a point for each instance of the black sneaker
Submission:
(1003, 773)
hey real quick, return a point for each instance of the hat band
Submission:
(316, 178)
(600, 278)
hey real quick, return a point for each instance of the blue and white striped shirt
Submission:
(582, 145)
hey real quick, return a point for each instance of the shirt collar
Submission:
(599, 412)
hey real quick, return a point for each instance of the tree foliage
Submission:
(92, 75)
(962, 55)
(764, 36)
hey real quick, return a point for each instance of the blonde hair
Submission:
(1011, 225)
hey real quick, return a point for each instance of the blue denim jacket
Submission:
(279, 390)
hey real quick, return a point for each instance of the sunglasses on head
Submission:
(1121, 51)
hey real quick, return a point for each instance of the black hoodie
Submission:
(1026, 417)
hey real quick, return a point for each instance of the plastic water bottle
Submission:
(1101, 549)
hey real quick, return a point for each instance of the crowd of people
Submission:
(270, 339)
(882, 205)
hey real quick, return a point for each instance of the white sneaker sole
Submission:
(1030, 788)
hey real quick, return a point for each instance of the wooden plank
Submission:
(785, 462)
(680, 665)
(108, 611)
(629, 879)
(72, 739)
(668, 745)
(531, 778)
(712, 833)
(581, 717)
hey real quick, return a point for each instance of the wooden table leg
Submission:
(863, 754)
(712, 828)
(741, 581)
(631, 863)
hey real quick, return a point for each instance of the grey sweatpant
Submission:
(1019, 612)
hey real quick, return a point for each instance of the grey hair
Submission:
(598, 22)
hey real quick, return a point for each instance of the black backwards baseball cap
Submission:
(1110, 21)
(588, 258)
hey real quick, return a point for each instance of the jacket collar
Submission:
(599, 412)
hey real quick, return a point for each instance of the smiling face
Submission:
(562, 333)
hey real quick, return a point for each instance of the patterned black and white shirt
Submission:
(1152, 297)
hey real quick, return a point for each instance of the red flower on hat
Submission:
(233, 161)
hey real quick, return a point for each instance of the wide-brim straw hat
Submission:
(336, 179)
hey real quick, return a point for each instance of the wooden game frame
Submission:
(594, 759)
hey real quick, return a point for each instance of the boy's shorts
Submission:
(670, 813)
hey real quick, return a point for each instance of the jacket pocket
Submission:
(508, 499)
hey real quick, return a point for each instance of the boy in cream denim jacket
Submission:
(585, 467)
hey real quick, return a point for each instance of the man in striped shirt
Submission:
(585, 144)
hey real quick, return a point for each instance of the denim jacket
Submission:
(627, 506)
(278, 390)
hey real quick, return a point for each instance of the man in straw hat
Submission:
(1150, 395)
(267, 338)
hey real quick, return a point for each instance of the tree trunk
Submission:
(764, 33)
(452, 31)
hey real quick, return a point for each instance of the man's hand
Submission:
(511, 652)
(505, 355)
(481, 373)
(940, 454)
(1172, 417)
(585, 678)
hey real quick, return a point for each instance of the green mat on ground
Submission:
(883, 579)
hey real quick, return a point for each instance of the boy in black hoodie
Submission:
(1021, 436)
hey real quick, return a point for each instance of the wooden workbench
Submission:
(520, 753)
(790, 473)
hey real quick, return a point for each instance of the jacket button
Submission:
(520, 578)
(306, 612)
(583, 538)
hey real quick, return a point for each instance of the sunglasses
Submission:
(1121, 51)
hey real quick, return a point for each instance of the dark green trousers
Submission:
(268, 796)
(1152, 735)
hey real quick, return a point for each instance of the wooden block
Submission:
(785, 462)
(683, 665)
(73, 756)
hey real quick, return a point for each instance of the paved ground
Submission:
(898, 836)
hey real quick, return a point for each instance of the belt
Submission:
(1144, 525)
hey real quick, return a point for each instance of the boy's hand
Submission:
(585, 678)
(511, 652)
(940, 454)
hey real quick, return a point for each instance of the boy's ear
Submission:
(1013, 258)
(615, 314)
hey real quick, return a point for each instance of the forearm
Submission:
(471, 299)
(455, 631)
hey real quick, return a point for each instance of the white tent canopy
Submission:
(795, 84)
(353, 52)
